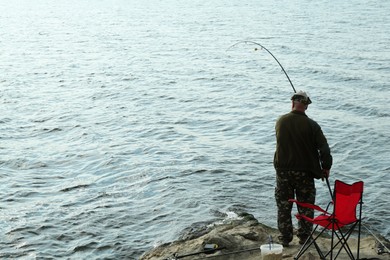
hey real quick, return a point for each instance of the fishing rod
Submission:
(330, 190)
(212, 248)
(208, 249)
(175, 257)
(273, 56)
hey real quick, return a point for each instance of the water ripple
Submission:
(129, 123)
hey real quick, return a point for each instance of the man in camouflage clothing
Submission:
(302, 155)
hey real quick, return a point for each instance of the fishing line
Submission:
(380, 250)
(273, 56)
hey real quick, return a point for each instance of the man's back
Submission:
(298, 140)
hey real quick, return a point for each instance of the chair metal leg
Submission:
(343, 242)
(311, 240)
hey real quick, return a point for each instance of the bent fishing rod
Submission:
(273, 56)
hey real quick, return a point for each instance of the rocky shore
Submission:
(241, 239)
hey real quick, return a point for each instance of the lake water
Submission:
(125, 122)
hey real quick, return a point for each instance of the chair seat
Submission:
(323, 220)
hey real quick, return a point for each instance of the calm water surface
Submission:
(124, 122)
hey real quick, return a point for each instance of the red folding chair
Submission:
(341, 222)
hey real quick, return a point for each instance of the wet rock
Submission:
(241, 239)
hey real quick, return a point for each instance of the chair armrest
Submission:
(308, 205)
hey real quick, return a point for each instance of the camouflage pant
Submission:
(289, 185)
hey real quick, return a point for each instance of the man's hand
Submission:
(325, 174)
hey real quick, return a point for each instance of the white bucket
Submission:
(271, 251)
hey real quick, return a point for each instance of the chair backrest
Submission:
(346, 200)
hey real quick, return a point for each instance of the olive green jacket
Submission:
(301, 145)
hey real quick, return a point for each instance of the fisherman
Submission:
(302, 155)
